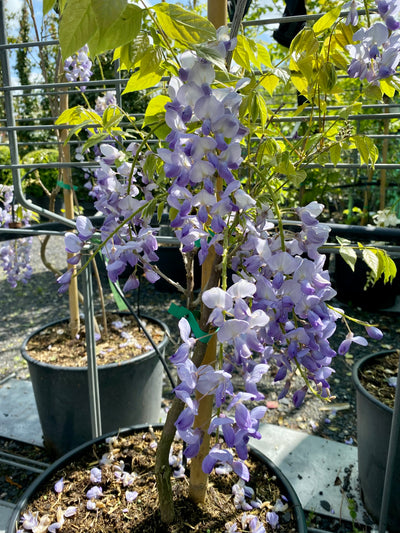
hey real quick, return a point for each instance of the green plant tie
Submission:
(179, 311)
(66, 186)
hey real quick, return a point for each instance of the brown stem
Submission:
(162, 468)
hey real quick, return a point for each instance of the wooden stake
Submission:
(66, 178)
(217, 12)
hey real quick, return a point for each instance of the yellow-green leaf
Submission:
(117, 24)
(156, 109)
(76, 26)
(77, 115)
(242, 54)
(327, 20)
(334, 153)
(327, 77)
(387, 88)
(184, 26)
(263, 55)
(47, 6)
(269, 82)
(349, 255)
(140, 81)
(300, 82)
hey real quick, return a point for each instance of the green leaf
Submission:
(366, 148)
(47, 6)
(304, 44)
(76, 26)
(334, 153)
(207, 53)
(269, 82)
(372, 260)
(182, 26)
(112, 116)
(263, 55)
(78, 115)
(243, 53)
(327, 77)
(327, 20)
(352, 109)
(348, 253)
(156, 109)
(155, 115)
(258, 110)
(97, 138)
(117, 24)
(132, 53)
(139, 82)
(148, 75)
(160, 211)
(387, 88)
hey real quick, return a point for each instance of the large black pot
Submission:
(286, 488)
(130, 393)
(374, 420)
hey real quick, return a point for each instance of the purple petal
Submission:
(131, 495)
(241, 470)
(72, 243)
(231, 329)
(84, 227)
(59, 486)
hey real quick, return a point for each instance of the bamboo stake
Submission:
(217, 14)
(217, 11)
(385, 148)
(66, 178)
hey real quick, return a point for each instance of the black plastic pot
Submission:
(287, 489)
(374, 421)
(130, 393)
(350, 286)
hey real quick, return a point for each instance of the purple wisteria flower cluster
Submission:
(376, 55)
(14, 254)
(78, 67)
(275, 312)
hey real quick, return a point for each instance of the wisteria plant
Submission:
(207, 155)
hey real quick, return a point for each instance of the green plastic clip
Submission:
(66, 186)
(179, 311)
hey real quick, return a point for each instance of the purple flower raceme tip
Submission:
(374, 332)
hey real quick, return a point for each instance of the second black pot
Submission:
(374, 420)
(130, 393)
(72, 457)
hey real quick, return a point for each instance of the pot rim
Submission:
(134, 360)
(66, 459)
(360, 388)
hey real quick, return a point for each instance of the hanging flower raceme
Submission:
(78, 67)
(376, 54)
(15, 255)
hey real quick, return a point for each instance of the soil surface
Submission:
(124, 470)
(26, 308)
(379, 377)
(120, 340)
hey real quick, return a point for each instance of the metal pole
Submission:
(93, 378)
(392, 452)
